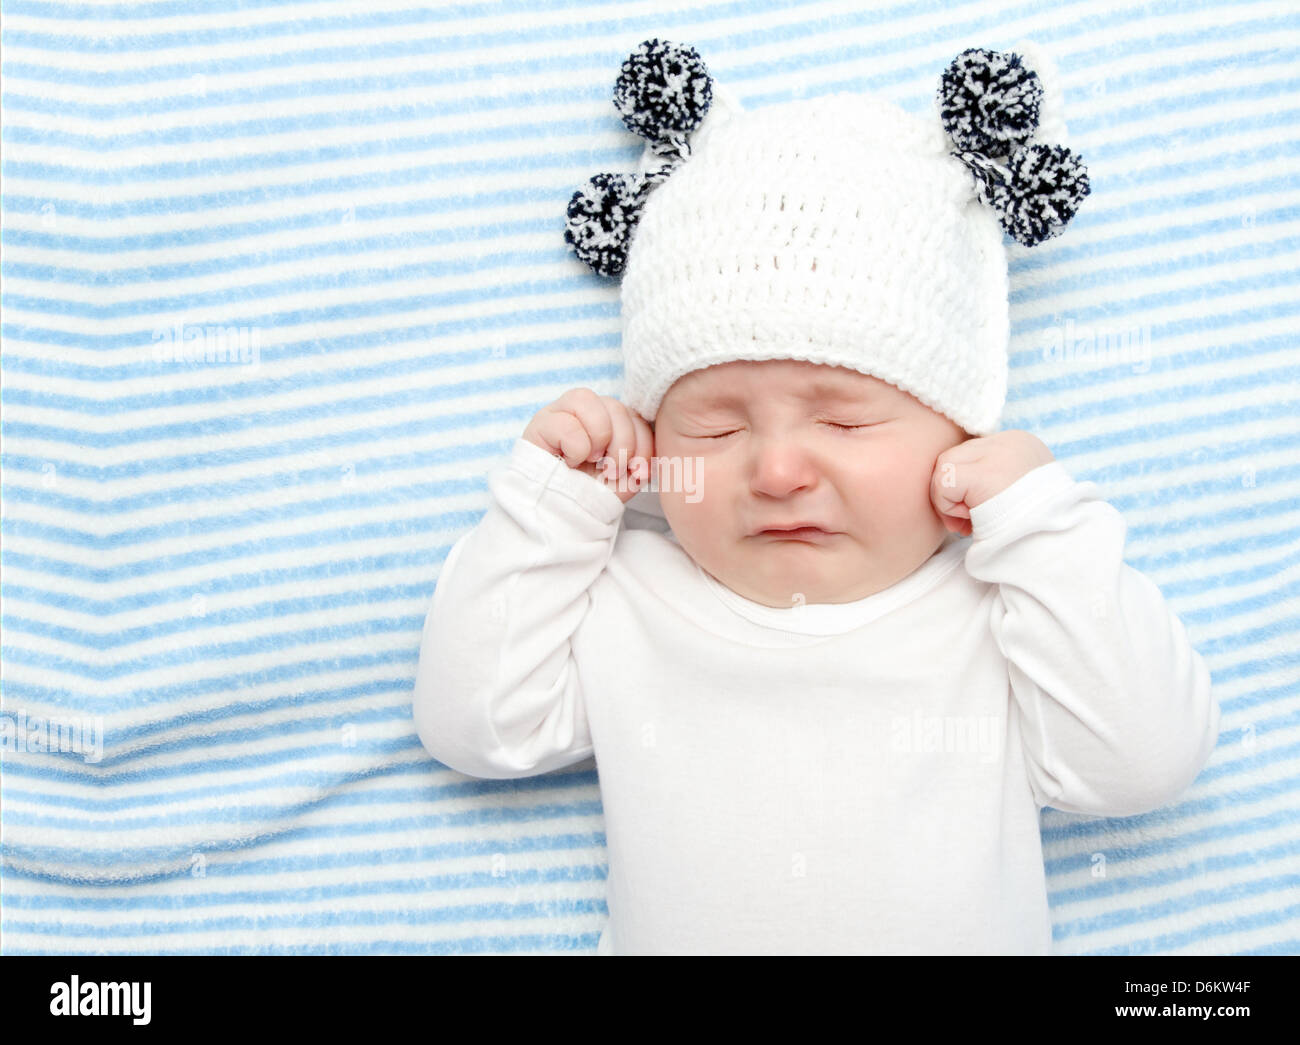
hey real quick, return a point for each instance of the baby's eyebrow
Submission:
(821, 391)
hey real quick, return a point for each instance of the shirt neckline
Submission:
(836, 618)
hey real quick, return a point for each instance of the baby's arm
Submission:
(1118, 717)
(496, 691)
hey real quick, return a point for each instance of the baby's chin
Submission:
(793, 573)
(789, 573)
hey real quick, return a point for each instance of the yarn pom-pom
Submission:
(601, 217)
(989, 101)
(1046, 185)
(663, 90)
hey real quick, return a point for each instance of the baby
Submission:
(828, 696)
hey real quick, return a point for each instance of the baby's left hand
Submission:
(970, 473)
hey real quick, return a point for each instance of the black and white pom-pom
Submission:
(662, 93)
(663, 90)
(989, 101)
(601, 217)
(1045, 186)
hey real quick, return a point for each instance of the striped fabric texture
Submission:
(284, 281)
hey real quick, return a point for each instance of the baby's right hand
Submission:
(588, 431)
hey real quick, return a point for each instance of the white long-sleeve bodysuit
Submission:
(859, 777)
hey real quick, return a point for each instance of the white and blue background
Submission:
(226, 563)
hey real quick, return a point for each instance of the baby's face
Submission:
(765, 439)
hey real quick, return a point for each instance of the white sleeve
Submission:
(1117, 713)
(496, 690)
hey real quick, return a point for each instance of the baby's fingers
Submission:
(645, 447)
(622, 442)
(575, 427)
(562, 434)
(947, 492)
(591, 411)
(628, 461)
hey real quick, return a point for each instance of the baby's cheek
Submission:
(895, 497)
(689, 516)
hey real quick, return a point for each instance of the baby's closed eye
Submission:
(838, 426)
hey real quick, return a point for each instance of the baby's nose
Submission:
(780, 468)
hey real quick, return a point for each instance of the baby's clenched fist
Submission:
(588, 431)
(977, 470)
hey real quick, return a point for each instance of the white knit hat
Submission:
(839, 230)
